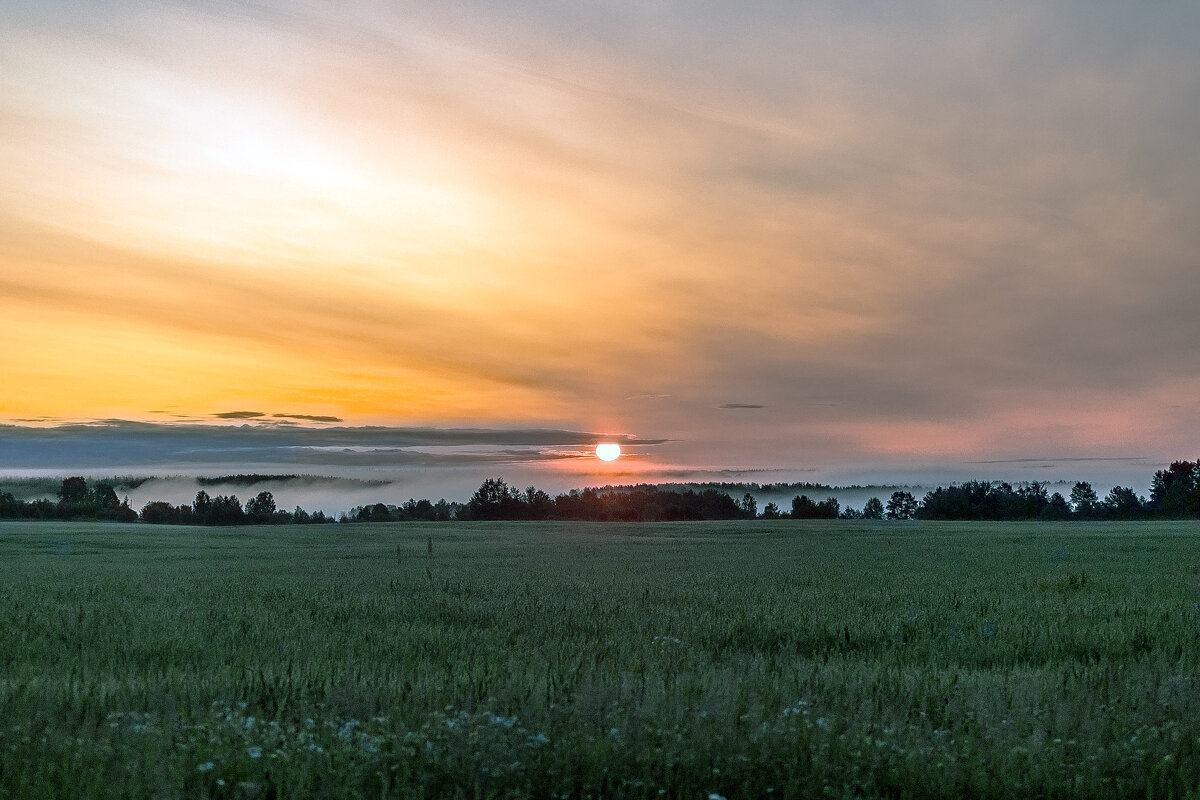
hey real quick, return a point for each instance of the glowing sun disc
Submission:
(608, 451)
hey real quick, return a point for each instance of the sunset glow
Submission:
(819, 234)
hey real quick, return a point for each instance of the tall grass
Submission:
(757, 659)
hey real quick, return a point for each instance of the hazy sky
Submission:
(773, 233)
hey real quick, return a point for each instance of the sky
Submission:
(841, 238)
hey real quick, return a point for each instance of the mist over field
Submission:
(336, 468)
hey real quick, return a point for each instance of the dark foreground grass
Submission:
(568, 660)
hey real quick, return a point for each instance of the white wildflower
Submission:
(346, 733)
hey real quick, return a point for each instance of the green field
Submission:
(749, 659)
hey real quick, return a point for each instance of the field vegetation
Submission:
(741, 659)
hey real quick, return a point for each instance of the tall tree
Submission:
(771, 511)
(105, 497)
(1175, 492)
(260, 509)
(1084, 500)
(1123, 503)
(749, 506)
(494, 500)
(804, 508)
(74, 490)
(902, 505)
(873, 509)
(1056, 507)
(202, 507)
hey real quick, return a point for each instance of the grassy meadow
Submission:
(749, 659)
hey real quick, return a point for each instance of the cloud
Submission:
(1124, 459)
(741, 405)
(239, 415)
(953, 230)
(122, 444)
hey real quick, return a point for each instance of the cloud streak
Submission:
(159, 446)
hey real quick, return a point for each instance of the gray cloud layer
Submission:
(119, 444)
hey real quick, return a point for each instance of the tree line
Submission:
(1174, 494)
(76, 500)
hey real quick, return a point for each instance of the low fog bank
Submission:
(332, 495)
(334, 469)
(335, 495)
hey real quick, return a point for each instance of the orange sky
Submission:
(945, 234)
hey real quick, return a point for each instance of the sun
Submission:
(608, 451)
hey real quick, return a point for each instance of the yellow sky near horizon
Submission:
(222, 229)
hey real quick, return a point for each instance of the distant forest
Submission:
(1174, 494)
